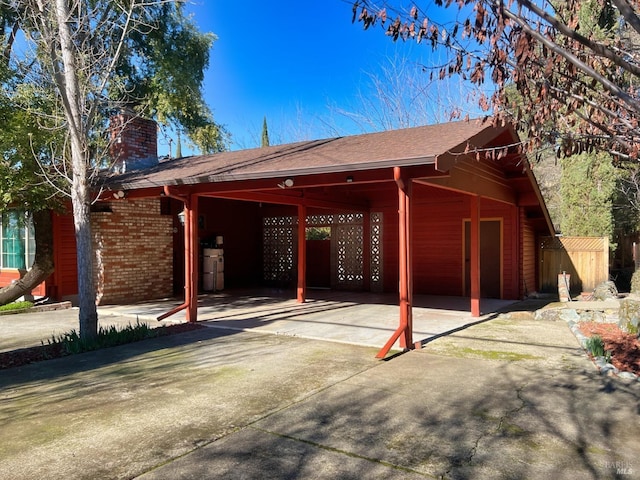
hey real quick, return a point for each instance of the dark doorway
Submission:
(318, 257)
(490, 258)
(318, 263)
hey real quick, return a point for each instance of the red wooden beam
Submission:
(302, 254)
(206, 186)
(295, 197)
(474, 269)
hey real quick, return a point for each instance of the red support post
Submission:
(474, 269)
(187, 255)
(403, 239)
(302, 254)
(405, 329)
(409, 224)
(193, 256)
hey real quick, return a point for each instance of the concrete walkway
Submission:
(510, 397)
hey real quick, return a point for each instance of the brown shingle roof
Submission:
(419, 145)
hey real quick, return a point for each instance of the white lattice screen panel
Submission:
(375, 262)
(279, 240)
(347, 248)
(347, 244)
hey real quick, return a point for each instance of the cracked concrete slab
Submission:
(255, 453)
(511, 397)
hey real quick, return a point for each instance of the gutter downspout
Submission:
(187, 255)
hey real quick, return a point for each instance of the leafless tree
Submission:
(536, 63)
(402, 94)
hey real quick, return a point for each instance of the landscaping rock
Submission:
(546, 314)
(569, 315)
(605, 290)
(629, 314)
(592, 316)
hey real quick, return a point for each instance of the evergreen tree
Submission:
(265, 133)
(587, 188)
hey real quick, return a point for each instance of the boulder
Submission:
(629, 314)
(605, 291)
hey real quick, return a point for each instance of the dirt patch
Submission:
(624, 347)
(24, 356)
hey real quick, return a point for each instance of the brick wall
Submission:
(134, 252)
(134, 142)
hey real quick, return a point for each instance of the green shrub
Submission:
(107, 337)
(595, 346)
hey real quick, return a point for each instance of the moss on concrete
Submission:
(467, 352)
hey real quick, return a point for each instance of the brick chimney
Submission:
(134, 142)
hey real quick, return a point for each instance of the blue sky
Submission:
(288, 61)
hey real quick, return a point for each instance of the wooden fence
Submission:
(586, 259)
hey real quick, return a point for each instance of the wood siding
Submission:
(438, 244)
(65, 276)
(9, 275)
(240, 224)
(529, 251)
(438, 241)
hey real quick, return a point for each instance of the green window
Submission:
(18, 241)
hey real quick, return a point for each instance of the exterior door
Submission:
(490, 258)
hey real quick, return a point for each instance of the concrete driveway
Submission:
(358, 318)
(511, 397)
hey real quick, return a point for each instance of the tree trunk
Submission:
(86, 285)
(42, 264)
(80, 159)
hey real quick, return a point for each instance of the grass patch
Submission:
(14, 306)
(107, 337)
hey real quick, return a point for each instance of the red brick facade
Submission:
(134, 142)
(134, 252)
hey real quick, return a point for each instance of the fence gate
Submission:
(586, 259)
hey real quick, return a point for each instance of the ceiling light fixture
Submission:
(287, 183)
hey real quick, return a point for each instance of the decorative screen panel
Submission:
(377, 284)
(279, 239)
(347, 251)
(319, 220)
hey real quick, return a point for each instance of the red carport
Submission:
(449, 209)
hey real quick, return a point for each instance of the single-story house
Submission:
(448, 209)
